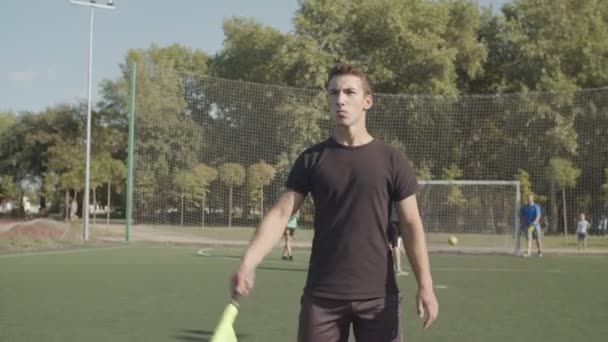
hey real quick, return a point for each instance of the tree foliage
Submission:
(232, 175)
(533, 56)
(259, 175)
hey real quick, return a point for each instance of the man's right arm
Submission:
(266, 237)
(271, 229)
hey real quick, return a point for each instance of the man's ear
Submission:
(369, 101)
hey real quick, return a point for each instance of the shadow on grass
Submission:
(289, 269)
(203, 336)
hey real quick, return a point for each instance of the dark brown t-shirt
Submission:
(352, 189)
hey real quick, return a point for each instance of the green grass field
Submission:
(174, 294)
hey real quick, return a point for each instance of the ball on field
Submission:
(452, 240)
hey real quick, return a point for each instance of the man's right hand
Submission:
(266, 237)
(242, 281)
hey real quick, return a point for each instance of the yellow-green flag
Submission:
(224, 331)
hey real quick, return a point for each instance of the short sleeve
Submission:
(404, 177)
(394, 215)
(299, 176)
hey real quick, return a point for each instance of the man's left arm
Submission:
(417, 254)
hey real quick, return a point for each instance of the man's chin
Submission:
(343, 122)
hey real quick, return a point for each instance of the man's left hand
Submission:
(428, 307)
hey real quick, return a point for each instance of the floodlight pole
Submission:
(87, 178)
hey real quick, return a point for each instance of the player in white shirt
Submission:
(582, 231)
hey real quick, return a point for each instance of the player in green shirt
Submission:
(292, 225)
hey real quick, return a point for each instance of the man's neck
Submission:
(352, 136)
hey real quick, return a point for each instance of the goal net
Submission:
(211, 152)
(478, 213)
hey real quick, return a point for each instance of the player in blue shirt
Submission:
(530, 218)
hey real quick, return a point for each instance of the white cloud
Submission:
(25, 76)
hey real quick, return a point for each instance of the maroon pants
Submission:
(329, 320)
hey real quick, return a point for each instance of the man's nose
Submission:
(341, 98)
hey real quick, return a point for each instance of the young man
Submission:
(530, 218)
(353, 179)
(292, 225)
(395, 241)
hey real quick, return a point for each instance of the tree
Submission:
(65, 160)
(186, 189)
(304, 123)
(34, 139)
(72, 180)
(232, 175)
(96, 180)
(423, 171)
(50, 182)
(544, 39)
(22, 149)
(168, 139)
(259, 175)
(377, 33)
(564, 174)
(592, 158)
(7, 120)
(537, 46)
(525, 184)
(119, 174)
(204, 176)
(248, 48)
(380, 33)
(301, 62)
(145, 191)
(9, 190)
(526, 187)
(112, 172)
(455, 197)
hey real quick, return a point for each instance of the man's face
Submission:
(347, 100)
(530, 199)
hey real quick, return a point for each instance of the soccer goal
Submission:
(482, 214)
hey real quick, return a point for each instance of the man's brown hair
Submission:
(349, 69)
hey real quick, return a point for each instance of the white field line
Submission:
(206, 253)
(495, 269)
(70, 251)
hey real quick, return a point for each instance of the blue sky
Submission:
(44, 55)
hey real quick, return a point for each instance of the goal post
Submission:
(483, 214)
